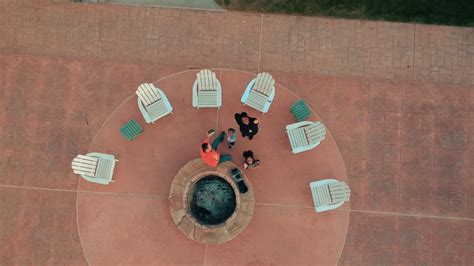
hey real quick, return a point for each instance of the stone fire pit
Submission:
(206, 205)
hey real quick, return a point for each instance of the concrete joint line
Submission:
(413, 215)
(260, 43)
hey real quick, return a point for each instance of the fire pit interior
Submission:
(211, 200)
(206, 203)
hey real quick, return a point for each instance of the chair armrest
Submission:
(247, 91)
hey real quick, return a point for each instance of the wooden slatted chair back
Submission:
(340, 192)
(206, 80)
(84, 165)
(264, 83)
(315, 132)
(148, 94)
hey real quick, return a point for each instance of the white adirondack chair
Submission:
(95, 167)
(329, 194)
(152, 102)
(305, 135)
(207, 91)
(260, 92)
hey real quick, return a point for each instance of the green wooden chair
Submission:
(131, 130)
(300, 110)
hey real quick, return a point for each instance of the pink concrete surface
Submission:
(121, 229)
(286, 227)
(285, 236)
(407, 145)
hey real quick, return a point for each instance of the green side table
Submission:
(300, 110)
(131, 130)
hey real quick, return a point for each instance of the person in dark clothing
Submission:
(248, 125)
(250, 161)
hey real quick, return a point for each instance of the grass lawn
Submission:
(444, 12)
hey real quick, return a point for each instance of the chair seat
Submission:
(323, 196)
(297, 138)
(157, 110)
(207, 97)
(104, 169)
(257, 100)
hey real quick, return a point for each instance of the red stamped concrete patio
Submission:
(285, 228)
(398, 100)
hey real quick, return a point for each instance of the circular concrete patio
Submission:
(128, 221)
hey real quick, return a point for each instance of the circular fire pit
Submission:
(206, 203)
(211, 200)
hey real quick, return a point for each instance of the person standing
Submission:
(248, 125)
(209, 153)
(230, 137)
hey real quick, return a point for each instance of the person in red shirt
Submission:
(209, 153)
